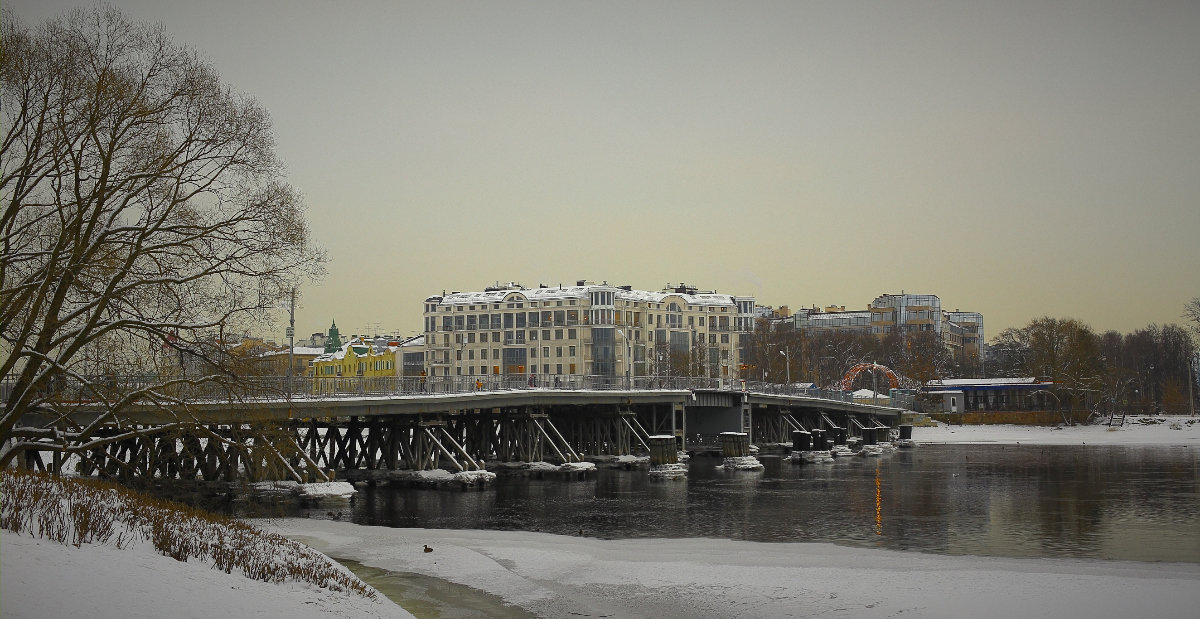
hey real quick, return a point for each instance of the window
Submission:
(558, 351)
(571, 334)
(483, 353)
(571, 350)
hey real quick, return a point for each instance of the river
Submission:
(1138, 503)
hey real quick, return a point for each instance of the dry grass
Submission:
(79, 511)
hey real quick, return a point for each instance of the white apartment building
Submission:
(585, 330)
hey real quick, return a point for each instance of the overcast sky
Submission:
(1018, 159)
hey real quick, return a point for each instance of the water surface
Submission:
(1106, 502)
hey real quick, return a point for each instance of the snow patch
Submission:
(742, 463)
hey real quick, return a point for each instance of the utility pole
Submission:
(291, 334)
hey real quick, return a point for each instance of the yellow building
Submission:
(357, 359)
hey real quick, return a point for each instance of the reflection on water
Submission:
(1134, 503)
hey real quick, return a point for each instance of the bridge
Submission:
(346, 427)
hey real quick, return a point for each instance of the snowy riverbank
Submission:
(40, 578)
(78, 549)
(1177, 430)
(558, 576)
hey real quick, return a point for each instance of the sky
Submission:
(1018, 159)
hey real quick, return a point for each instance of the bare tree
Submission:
(145, 219)
(1191, 311)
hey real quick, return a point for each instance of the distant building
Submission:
(832, 319)
(585, 330)
(961, 332)
(973, 338)
(333, 342)
(301, 356)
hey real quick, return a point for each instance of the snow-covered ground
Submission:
(44, 579)
(116, 571)
(559, 576)
(1178, 430)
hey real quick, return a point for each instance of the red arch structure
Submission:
(848, 379)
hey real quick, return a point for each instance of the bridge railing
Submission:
(94, 389)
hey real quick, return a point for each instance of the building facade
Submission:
(595, 330)
(370, 358)
(961, 332)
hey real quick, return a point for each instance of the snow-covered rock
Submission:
(812, 457)
(742, 463)
(669, 471)
(577, 466)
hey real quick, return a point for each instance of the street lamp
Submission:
(788, 358)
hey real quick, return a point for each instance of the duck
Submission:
(427, 548)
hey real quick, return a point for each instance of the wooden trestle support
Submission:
(460, 441)
(212, 453)
(775, 426)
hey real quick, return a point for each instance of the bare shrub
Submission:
(77, 512)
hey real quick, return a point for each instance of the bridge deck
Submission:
(343, 405)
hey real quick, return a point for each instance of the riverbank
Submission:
(73, 548)
(1159, 430)
(558, 576)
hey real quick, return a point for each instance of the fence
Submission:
(224, 388)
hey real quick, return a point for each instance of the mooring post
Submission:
(662, 450)
(735, 444)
